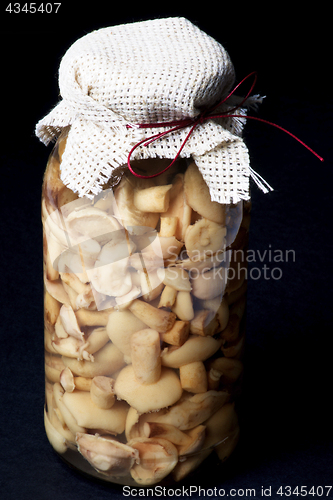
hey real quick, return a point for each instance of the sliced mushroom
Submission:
(135, 221)
(120, 328)
(51, 309)
(97, 339)
(63, 412)
(178, 334)
(196, 348)
(183, 306)
(193, 410)
(168, 226)
(205, 323)
(67, 380)
(102, 391)
(228, 368)
(110, 276)
(152, 199)
(53, 367)
(92, 223)
(175, 277)
(146, 355)
(107, 455)
(56, 439)
(157, 458)
(168, 297)
(198, 197)
(107, 361)
(203, 239)
(90, 416)
(56, 290)
(72, 347)
(178, 207)
(220, 307)
(144, 398)
(193, 377)
(155, 318)
(170, 247)
(69, 322)
(209, 285)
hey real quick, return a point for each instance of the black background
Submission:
(287, 421)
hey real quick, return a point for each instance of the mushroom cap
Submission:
(88, 415)
(196, 348)
(93, 223)
(106, 455)
(157, 458)
(144, 398)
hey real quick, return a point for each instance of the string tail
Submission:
(260, 181)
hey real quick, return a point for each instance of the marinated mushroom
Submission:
(148, 397)
(157, 458)
(107, 455)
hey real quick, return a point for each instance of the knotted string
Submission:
(207, 114)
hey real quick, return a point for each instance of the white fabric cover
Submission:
(147, 72)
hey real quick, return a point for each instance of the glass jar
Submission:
(145, 297)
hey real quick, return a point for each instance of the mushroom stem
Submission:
(168, 226)
(102, 391)
(152, 199)
(168, 297)
(146, 356)
(155, 318)
(93, 318)
(178, 334)
(204, 323)
(193, 377)
(183, 306)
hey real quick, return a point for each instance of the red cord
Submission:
(204, 116)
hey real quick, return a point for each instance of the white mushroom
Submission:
(144, 398)
(120, 328)
(196, 348)
(146, 355)
(183, 306)
(110, 276)
(86, 317)
(51, 309)
(69, 322)
(67, 380)
(107, 455)
(175, 277)
(135, 221)
(90, 416)
(107, 361)
(198, 197)
(193, 410)
(205, 323)
(178, 334)
(178, 207)
(203, 239)
(56, 439)
(157, 458)
(102, 391)
(168, 297)
(152, 199)
(193, 377)
(209, 285)
(73, 348)
(53, 367)
(168, 226)
(155, 318)
(91, 223)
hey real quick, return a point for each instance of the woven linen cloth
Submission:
(143, 73)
